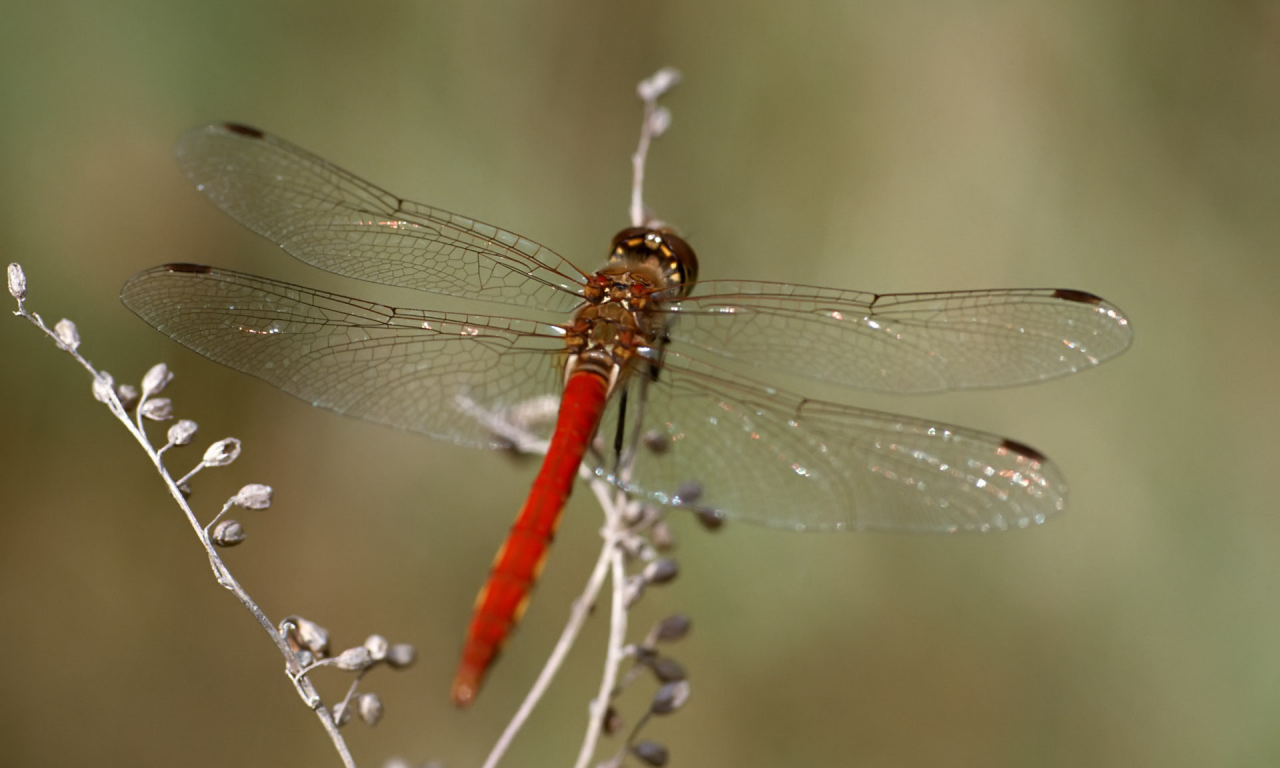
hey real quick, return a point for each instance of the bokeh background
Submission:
(1127, 148)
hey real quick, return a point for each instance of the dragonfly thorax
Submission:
(620, 316)
(603, 337)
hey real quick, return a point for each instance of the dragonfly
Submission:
(641, 344)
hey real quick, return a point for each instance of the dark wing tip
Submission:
(244, 130)
(1022, 449)
(1082, 297)
(200, 269)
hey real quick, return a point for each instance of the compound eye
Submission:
(685, 262)
(627, 235)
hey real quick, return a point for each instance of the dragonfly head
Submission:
(661, 250)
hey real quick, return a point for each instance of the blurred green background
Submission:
(1127, 148)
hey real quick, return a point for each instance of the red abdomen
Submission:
(519, 561)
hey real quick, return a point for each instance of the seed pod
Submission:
(658, 83)
(670, 697)
(401, 655)
(370, 708)
(68, 336)
(342, 713)
(672, 628)
(657, 442)
(688, 493)
(667, 670)
(222, 453)
(662, 536)
(159, 409)
(354, 659)
(253, 496)
(227, 533)
(711, 519)
(180, 433)
(310, 635)
(156, 379)
(661, 571)
(651, 753)
(377, 646)
(612, 722)
(127, 394)
(17, 282)
(102, 387)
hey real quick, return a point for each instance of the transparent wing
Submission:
(770, 457)
(336, 221)
(903, 343)
(441, 374)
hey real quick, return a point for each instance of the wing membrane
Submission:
(336, 221)
(427, 372)
(903, 343)
(774, 458)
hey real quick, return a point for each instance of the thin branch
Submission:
(68, 341)
(617, 637)
(655, 123)
(568, 636)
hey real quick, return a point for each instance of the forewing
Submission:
(442, 374)
(903, 343)
(770, 457)
(336, 221)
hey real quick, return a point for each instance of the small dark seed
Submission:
(667, 670)
(711, 519)
(227, 533)
(688, 493)
(672, 628)
(651, 753)
(661, 571)
(656, 441)
(670, 697)
(612, 722)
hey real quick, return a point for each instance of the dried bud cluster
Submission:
(156, 379)
(157, 409)
(68, 336)
(655, 85)
(657, 442)
(354, 659)
(651, 535)
(613, 722)
(103, 385)
(377, 646)
(253, 496)
(17, 282)
(182, 432)
(310, 642)
(302, 633)
(667, 670)
(661, 571)
(367, 705)
(401, 655)
(222, 453)
(227, 533)
(651, 753)
(370, 708)
(672, 628)
(128, 395)
(670, 697)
